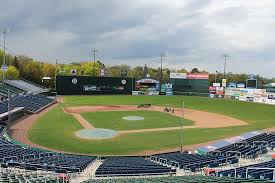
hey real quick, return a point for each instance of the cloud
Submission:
(195, 33)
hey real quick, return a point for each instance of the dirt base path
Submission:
(82, 121)
(154, 129)
(201, 119)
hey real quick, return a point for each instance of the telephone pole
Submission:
(5, 31)
(55, 73)
(94, 51)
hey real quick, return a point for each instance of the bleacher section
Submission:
(174, 179)
(3, 108)
(193, 162)
(26, 86)
(32, 103)
(130, 166)
(12, 155)
(5, 88)
(1, 128)
(249, 148)
(6, 177)
(265, 171)
(15, 114)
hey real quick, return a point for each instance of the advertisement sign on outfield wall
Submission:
(232, 85)
(236, 92)
(197, 76)
(175, 75)
(240, 85)
(223, 82)
(219, 90)
(212, 89)
(217, 84)
(270, 98)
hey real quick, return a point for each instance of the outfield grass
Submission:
(115, 121)
(56, 129)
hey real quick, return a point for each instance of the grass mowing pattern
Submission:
(152, 119)
(56, 129)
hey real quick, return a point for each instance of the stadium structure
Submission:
(101, 129)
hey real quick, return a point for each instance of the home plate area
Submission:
(97, 133)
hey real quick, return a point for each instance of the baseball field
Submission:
(205, 120)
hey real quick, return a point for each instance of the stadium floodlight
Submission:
(225, 60)
(162, 55)
(94, 51)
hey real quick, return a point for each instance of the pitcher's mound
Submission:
(133, 118)
(98, 133)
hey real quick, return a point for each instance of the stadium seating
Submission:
(263, 173)
(193, 161)
(3, 107)
(26, 86)
(126, 166)
(31, 102)
(12, 155)
(6, 177)
(174, 179)
(1, 128)
(5, 88)
(249, 148)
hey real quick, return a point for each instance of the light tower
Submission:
(94, 51)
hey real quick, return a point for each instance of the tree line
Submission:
(21, 66)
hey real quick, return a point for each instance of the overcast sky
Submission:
(192, 33)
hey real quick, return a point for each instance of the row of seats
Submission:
(1, 130)
(174, 179)
(26, 85)
(249, 148)
(3, 108)
(121, 166)
(193, 161)
(12, 155)
(5, 89)
(30, 102)
(265, 172)
(25, 178)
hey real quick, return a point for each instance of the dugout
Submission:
(190, 84)
(87, 85)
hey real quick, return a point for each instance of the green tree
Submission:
(11, 73)
(15, 62)
(195, 70)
